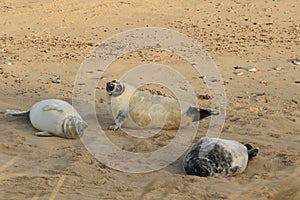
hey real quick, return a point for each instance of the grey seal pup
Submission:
(215, 156)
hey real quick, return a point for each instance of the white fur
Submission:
(54, 117)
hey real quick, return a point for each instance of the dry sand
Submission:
(48, 40)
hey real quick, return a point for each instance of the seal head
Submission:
(73, 127)
(199, 167)
(115, 88)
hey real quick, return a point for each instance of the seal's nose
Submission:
(109, 86)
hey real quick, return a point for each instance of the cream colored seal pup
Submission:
(135, 109)
(215, 156)
(54, 117)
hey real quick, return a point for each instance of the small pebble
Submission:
(237, 67)
(252, 69)
(294, 101)
(260, 94)
(204, 96)
(239, 73)
(297, 81)
(277, 68)
(8, 63)
(8, 7)
(263, 82)
(296, 62)
(202, 77)
(291, 119)
(233, 119)
(268, 176)
(269, 23)
(57, 81)
(91, 44)
(268, 9)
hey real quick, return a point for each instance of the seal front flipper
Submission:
(43, 134)
(234, 170)
(53, 107)
(17, 112)
(120, 119)
(114, 127)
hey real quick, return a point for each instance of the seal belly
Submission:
(153, 111)
(49, 121)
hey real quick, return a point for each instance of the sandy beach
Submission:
(43, 44)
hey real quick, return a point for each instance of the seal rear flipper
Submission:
(252, 151)
(201, 113)
(205, 112)
(234, 170)
(17, 112)
(44, 134)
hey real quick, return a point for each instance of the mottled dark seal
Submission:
(214, 156)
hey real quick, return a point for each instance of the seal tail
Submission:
(252, 151)
(17, 112)
(201, 113)
(205, 112)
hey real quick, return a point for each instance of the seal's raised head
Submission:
(115, 88)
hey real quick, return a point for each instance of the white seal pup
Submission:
(54, 117)
(135, 109)
(215, 156)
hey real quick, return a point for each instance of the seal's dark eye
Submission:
(109, 86)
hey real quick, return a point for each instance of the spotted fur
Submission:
(214, 156)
